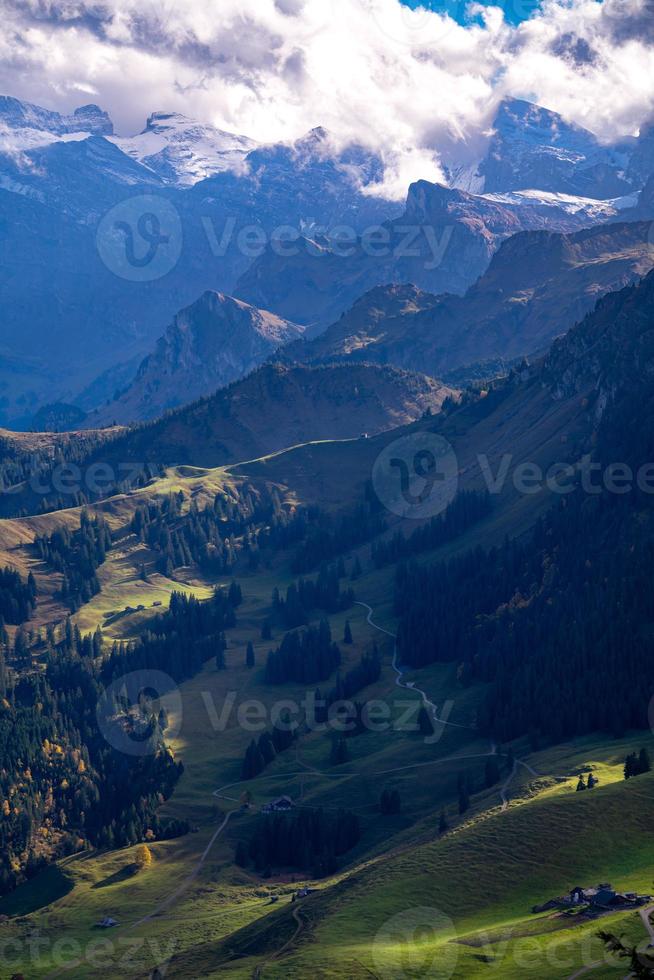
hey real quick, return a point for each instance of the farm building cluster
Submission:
(599, 898)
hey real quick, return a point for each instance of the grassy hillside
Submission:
(473, 891)
(525, 838)
(486, 874)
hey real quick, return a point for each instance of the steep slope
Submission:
(370, 330)
(464, 901)
(442, 243)
(641, 163)
(537, 285)
(209, 344)
(643, 208)
(610, 352)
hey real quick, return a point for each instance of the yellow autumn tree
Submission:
(143, 857)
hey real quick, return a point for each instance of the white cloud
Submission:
(412, 83)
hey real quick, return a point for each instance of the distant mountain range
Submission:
(442, 242)
(68, 317)
(257, 223)
(537, 285)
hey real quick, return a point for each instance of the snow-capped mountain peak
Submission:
(183, 151)
(524, 122)
(18, 115)
(160, 122)
(24, 126)
(533, 149)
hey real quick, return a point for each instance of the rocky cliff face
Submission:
(208, 345)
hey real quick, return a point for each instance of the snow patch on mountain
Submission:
(571, 204)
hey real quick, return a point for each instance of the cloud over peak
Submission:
(415, 84)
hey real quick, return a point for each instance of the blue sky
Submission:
(514, 10)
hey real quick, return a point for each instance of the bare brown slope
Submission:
(279, 406)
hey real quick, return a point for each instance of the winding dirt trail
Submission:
(300, 923)
(181, 888)
(647, 922)
(440, 720)
(189, 879)
(409, 685)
